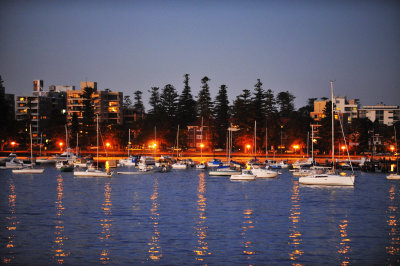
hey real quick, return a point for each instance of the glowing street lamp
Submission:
(296, 147)
(201, 150)
(61, 144)
(13, 145)
(392, 148)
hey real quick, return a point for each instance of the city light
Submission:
(154, 145)
(108, 144)
(60, 144)
(392, 148)
(202, 145)
(13, 143)
(248, 146)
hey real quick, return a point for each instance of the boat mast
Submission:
(97, 134)
(201, 143)
(266, 140)
(255, 139)
(66, 140)
(397, 154)
(177, 143)
(333, 119)
(30, 133)
(129, 140)
(41, 136)
(312, 144)
(77, 143)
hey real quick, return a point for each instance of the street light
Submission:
(61, 144)
(201, 150)
(13, 144)
(295, 148)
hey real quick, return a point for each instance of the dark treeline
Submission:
(274, 113)
(279, 124)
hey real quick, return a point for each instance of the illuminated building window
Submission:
(112, 109)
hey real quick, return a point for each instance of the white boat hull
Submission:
(179, 166)
(28, 171)
(264, 173)
(327, 180)
(223, 173)
(243, 177)
(92, 173)
(393, 177)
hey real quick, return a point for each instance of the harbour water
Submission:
(186, 217)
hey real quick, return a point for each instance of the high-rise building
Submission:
(385, 114)
(36, 109)
(107, 104)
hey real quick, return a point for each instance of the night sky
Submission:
(135, 45)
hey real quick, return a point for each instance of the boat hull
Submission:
(28, 171)
(393, 177)
(327, 180)
(92, 174)
(242, 177)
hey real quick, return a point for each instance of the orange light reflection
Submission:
(106, 224)
(155, 252)
(294, 235)
(201, 248)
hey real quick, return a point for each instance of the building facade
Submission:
(196, 135)
(385, 114)
(36, 109)
(107, 104)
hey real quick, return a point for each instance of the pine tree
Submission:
(204, 103)
(285, 100)
(138, 105)
(221, 114)
(186, 105)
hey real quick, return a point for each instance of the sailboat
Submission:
(179, 164)
(201, 165)
(329, 179)
(29, 170)
(94, 172)
(395, 176)
(65, 162)
(259, 170)
(130, 161)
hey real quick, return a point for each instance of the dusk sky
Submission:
(135, 45)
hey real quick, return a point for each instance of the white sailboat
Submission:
(329, 179)
(29, 170)
(395, 176)
(179, 164)
(94, 172)
(201, 165)
(130, 160)
(260, 170)
(246, 175)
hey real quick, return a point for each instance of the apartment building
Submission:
(107, 104)
(385, 114)
(36, 109)
(196, 135)
(348, 109)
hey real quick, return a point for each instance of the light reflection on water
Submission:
(106, 224)
(247, 226)
(393, 222)
(58, 247)
(12, 223)
(155, 251)
(201, 249)
(294, 217)
(344, 245)
(189, 218)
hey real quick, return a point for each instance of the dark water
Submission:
(187, 217)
